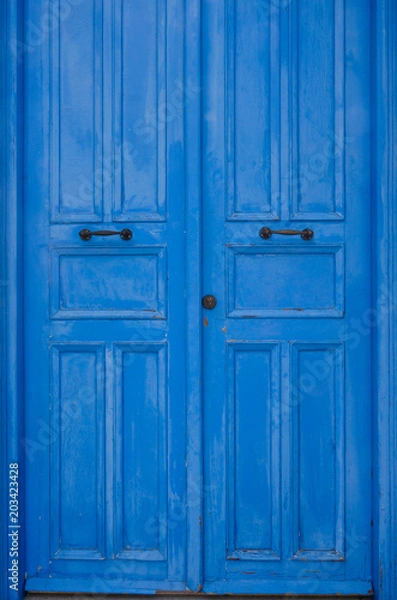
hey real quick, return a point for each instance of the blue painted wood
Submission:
(141, 427)
(258, 95)
(317, 167)
(100, 293)
(75, 113)
(311, 299)
(318, 422)
(385, 301)
(105, 323)
(301, 585)
(11, 299)
(254, 468)
(194, 440)
(100, 585)
(385, 550)
(140, 190)
(77, 528)
(255, 587)
(319, 296)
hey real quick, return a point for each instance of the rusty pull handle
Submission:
(86, 234)
(266, 233)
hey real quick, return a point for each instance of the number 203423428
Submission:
(13, 526)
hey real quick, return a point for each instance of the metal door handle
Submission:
(86, 234)
(266, 233)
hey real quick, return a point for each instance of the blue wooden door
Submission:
(105, 416)
(287, 439)
(285, 366)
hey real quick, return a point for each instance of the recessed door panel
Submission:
(77, 508)
(253, 68)
(254, 451)
(318, 106)
(139, 126)
(141, 450)
(279, 280)
(75, 103)
(319, 485)
(100, 293)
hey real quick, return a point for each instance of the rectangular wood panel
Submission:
(252, 94)
(317, 95)
(317, 386)
(76, 113)
(141, 451)
(77, 449)
(312, 282)
(254, 451)
(111, 283)
(141, 111)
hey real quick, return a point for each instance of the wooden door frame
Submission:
(11, 276)
(384, 272)
(384, 277)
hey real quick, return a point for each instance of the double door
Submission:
(278, 359)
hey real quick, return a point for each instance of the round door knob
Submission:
(209, 301)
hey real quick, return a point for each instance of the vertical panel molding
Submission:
(385, 299)
(193, 253)
(11, 282)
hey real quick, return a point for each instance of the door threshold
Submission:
(183, 596)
